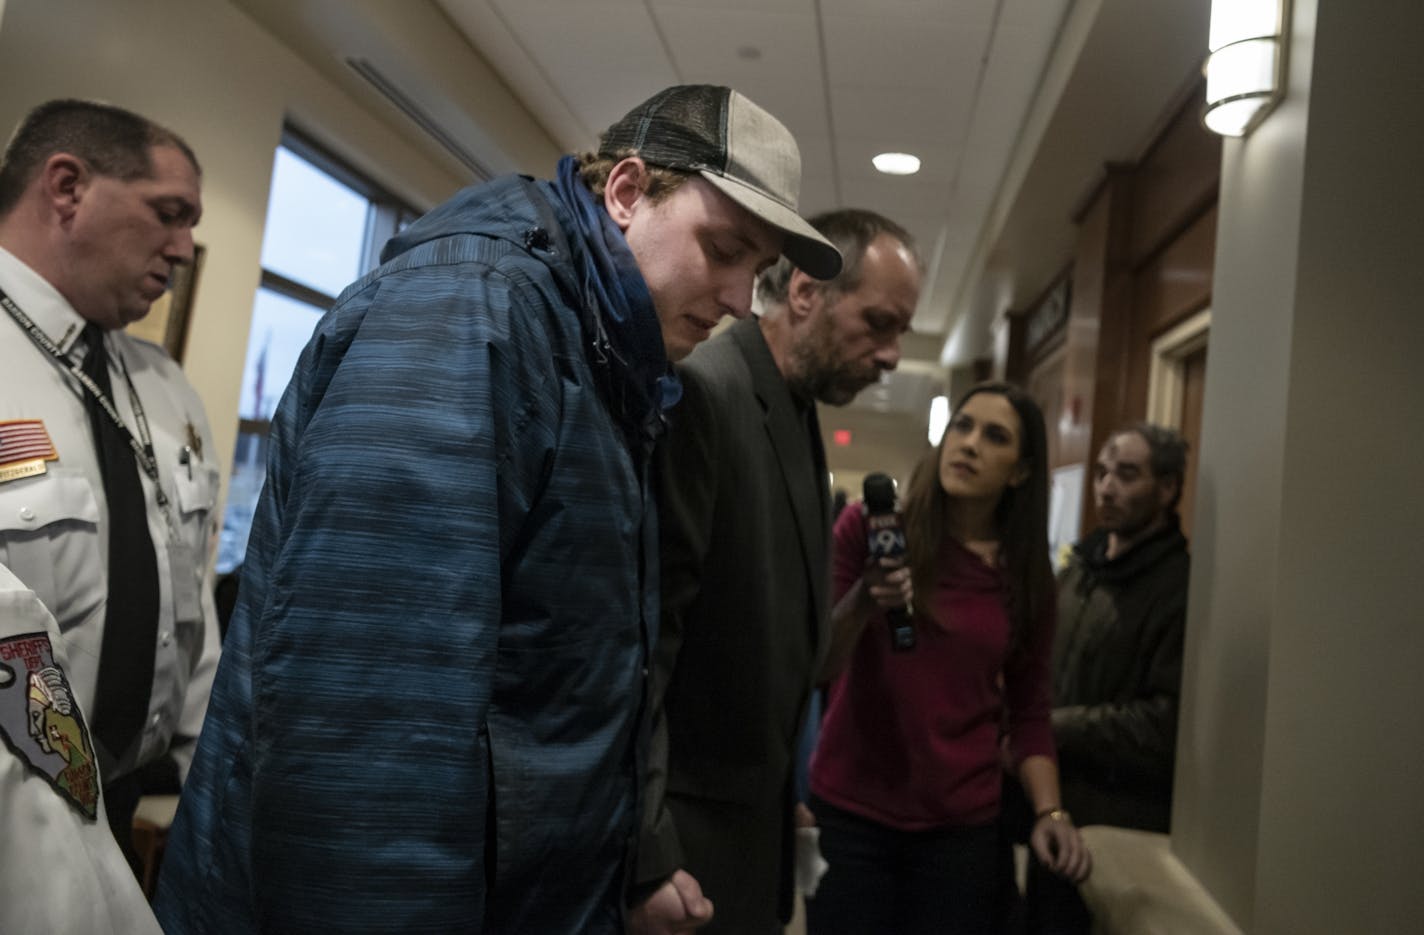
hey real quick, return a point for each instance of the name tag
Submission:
(187, 582)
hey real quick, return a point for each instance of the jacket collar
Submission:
(1092, 551)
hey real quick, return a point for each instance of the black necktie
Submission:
(131, 615)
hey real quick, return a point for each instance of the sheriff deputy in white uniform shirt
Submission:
(97, 207)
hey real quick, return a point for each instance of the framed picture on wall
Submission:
(166, 323)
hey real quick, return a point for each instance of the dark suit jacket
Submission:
(745, 518)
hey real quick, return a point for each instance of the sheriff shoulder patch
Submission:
(41, 722)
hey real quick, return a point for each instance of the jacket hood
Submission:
(623, 335)
(505, 209)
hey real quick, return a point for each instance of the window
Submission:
(325, 228)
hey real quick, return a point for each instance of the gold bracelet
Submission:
(1053, 814)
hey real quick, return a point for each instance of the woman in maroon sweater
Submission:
(905, 780)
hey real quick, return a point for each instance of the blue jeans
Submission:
(883, 881)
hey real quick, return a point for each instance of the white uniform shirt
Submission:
(54, 532)
(60, 870)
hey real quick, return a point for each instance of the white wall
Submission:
(1298, 800)
(211, 73)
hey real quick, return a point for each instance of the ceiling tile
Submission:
(969, 13)
(885, 52)
(1035, 15)
(899, 119)
(614, 95)
(815, 157)
(486, 31)
(546, 10)
(894, 197)
(785, 79)
(818, 194)
(806, 7)
(709, 41)
(606, 55)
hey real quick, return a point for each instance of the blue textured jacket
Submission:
(428, 713)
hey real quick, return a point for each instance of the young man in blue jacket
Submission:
(431, 712)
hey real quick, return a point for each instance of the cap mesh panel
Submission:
(680, 128)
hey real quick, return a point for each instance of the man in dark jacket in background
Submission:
(1117, 654)
(430, 710)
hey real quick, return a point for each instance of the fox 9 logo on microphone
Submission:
(887, 538)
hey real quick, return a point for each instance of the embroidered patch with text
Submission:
(41, 721)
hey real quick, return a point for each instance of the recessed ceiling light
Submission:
(897, 163)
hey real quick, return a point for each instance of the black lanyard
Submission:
(143, 445)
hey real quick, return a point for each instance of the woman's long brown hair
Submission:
(1020, 521)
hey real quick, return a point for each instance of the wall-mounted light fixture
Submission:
(1245, 74)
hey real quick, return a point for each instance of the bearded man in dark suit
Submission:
(745, 513)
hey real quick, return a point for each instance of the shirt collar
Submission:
(37, 298)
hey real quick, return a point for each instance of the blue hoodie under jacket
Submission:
(428, 713)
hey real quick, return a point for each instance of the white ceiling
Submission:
(1014, 106)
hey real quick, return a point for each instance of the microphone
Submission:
(887, 540)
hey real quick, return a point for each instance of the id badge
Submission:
(187, 582)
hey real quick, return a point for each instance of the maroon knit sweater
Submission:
(911, 739)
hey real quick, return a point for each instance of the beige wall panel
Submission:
(1340, 804)
(1298, 795)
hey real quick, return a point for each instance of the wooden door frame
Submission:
(1166, 377)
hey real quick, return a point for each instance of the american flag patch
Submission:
(25, 440)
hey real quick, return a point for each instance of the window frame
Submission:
(386, 215)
